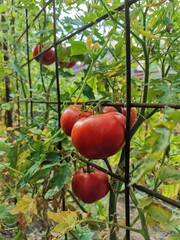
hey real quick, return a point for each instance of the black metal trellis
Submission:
(28, 64)
(128, 105)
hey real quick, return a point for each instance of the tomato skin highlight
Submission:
(72, 114)
(133, 117)
(90, 187)
(99, 136)
(47, 58)
(108, 109)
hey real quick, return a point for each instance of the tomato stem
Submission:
(89, 168)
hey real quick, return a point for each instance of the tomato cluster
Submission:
(95, 136)
(48, 57)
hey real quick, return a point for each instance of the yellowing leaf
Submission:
(171, 191)
(156, 4)
(145, 33)
(26, 205)
(89, 42)
(22, 157)
(158, 212)
(73, 99)
(66, 220)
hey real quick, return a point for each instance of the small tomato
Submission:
(70, 116)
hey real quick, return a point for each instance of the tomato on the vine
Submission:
(91, 186)
(71, 115)
(99, 136)
(133, 117)
(47, 58)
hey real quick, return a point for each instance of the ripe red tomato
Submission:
(133, 117)
(99, 136)
(47, 57)
(71, 115)
(109, 109)
(90, 187)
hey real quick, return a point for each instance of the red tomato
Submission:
(99, 136)
(109, 109)
(47, 57)
(133, 116)
(67, 65)
(71, 64)
(70, 116)
(90, 187)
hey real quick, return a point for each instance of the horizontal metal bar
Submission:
(107, 103)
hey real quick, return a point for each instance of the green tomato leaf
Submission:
(58, 181)
(3, 8)
(146, 167)
(169, 175)
(78, 48)
(6, 216)
(144, 202)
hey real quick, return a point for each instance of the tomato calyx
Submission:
(88, 169)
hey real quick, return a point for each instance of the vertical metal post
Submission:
(56, 63)
(17, 84)
(128, 107)
(29, 69)
(8, 114)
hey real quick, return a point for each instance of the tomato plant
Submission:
(38, 162)
(90, 186)
(99, 136)
(71, 115)
(47, 58)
